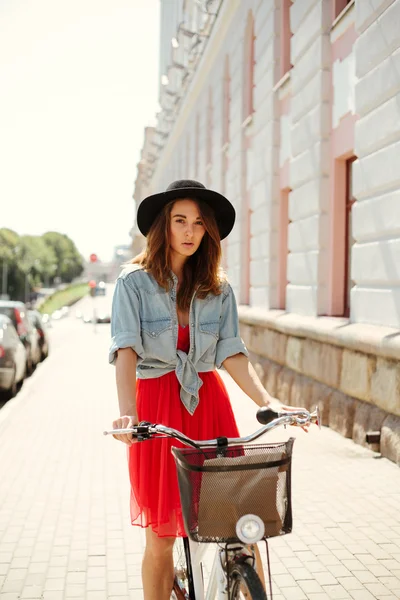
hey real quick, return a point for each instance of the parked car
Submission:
(38, 322)
(12, 359)
(35, 349)
(18, 313)
(103, 318)
(98, 318)
(100, 289)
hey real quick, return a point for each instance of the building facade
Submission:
(292, 109)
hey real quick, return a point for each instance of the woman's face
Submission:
(187, 229)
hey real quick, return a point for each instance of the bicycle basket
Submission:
(217, 490)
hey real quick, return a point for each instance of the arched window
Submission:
(248, 68)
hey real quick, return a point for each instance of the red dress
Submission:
(154, 484)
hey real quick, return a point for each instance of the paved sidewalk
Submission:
(64, 495)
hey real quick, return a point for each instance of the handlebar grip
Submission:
(265, 415)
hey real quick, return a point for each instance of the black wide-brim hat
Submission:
(151, 206)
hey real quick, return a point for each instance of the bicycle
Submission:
(234, 495)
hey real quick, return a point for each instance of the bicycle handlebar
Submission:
(268, 417)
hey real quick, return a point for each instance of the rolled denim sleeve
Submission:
(125, 320)
(229, 342)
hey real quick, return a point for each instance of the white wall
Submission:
(228, 38)
(309, 167)
(376, 214)
(303, 138)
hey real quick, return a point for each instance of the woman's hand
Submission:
(294, 408)
(276, 405)
(125, 422)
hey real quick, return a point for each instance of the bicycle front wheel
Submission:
(183, 582)
(245, 583)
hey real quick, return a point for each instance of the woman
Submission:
(174, 321)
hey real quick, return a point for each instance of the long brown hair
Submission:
(202, 270)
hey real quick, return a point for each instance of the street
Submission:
(64, 493)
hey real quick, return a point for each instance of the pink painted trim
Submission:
(343, 46)
(283, 248)
(224, 173)
(248, 68)
(342, 138)
(337, 242)
(342, 148)
(285, 37)
(284, 106)
(226, 102)
(245, 250)
(245, 223)
(284, 175)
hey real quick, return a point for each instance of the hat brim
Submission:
(151, 207)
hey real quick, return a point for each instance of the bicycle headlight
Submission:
(250, 529)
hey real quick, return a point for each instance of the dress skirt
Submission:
(154, 484)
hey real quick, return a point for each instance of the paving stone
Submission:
(66, 514)
(377, 589)
(336, 592)
(310, 586)
(350, 583)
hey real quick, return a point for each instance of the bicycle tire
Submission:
(183, 585)
(245, 584)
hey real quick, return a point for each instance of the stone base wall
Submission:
(356, 392)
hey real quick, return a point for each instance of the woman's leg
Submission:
(157, 567)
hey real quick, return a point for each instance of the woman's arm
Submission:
(243, 373)
(126, 388)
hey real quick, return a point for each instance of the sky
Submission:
(78, 84)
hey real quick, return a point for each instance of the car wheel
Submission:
(12, 391)
(29, 367)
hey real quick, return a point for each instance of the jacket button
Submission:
(153, 333)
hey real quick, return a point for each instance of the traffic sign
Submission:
(93, 258)
(92, 283)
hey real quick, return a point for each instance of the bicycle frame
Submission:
(217, 583)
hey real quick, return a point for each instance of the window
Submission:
(339, 6)
(283, 247)
(248, 66)
(286, 35)
(348, 235)
(187, 161)
(226, 102)
(196, 146)
(209, 134)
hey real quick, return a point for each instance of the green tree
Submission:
(36, 259)
(68, 260)
(11, 274)
(28, 261)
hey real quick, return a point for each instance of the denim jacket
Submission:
(144, 318)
